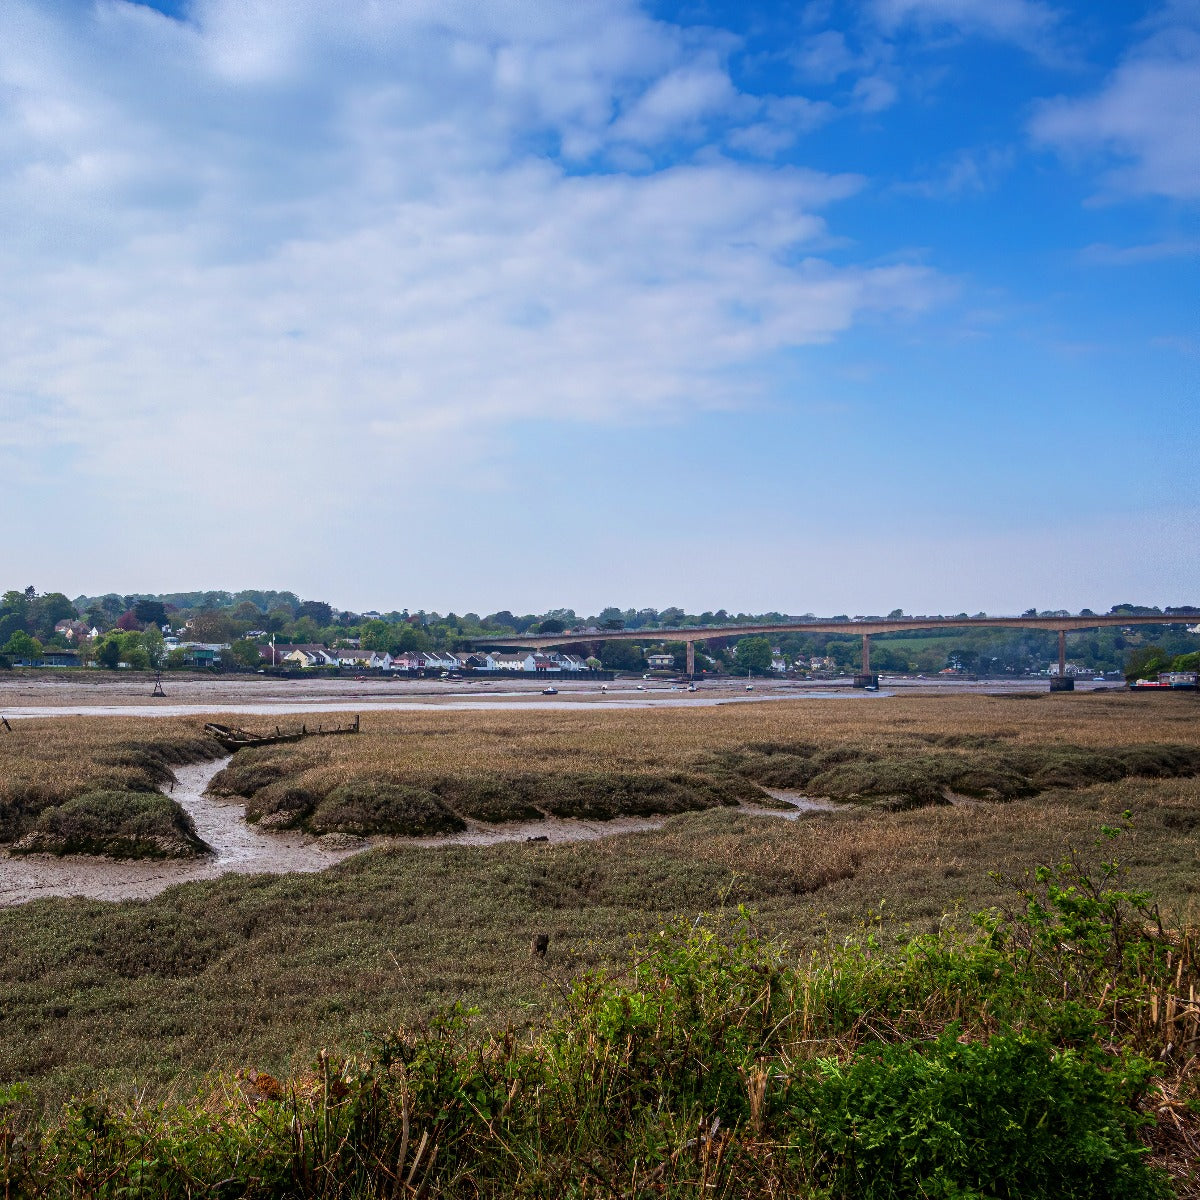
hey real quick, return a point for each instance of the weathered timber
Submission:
(235, 739)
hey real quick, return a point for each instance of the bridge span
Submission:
(691, 634)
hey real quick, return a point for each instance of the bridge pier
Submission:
(865, 679)
(1061, 682)
(691, 660)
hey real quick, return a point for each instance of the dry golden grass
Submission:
(46, 762)
(499, 765)
(430, 744)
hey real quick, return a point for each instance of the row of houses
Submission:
(417, 661)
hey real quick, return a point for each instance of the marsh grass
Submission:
(102, 1000)
(509, 766)
(47, 762)
(118, 824)
(1043, 1049)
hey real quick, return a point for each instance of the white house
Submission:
(372, 660)
(502, 661)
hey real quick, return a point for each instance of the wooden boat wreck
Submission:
(232, 738)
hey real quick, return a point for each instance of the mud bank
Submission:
(238, 848)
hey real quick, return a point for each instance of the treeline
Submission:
(131, 629)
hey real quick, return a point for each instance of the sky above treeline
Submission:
(459, 304)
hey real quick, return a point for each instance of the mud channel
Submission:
(240, 848)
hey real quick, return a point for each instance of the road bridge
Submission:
(864, 627)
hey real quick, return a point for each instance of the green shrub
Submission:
(1010, 1119)
(285, 802)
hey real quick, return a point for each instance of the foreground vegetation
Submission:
(1044, 1052)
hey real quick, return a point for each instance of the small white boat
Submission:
(550, 691)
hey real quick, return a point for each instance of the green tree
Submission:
(245, 653)
(46, 612)
(305, 631)
(754, 654)
(155, 647)
(376, 635)
(317, 610)
(1145, 662)
(133, 650)
(622, 656)
(21, 645)
(150, 612)
(408, 637)
(210, 626)
(108, 652)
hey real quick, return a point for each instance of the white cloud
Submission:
(1146, 117)
(784, 120)
(1026, 22)
(968, 172)
(825, 56)
(873, 94)
(1104, 255)
(285, 237)
(679, 103)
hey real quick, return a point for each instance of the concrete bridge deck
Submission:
(691, 634)
(701, 633)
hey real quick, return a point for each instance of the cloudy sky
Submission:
(461, 304)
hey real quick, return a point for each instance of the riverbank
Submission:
(45, 693)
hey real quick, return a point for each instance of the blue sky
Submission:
(454, 304)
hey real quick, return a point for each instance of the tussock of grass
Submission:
(388, 808)
(907, 775)
(118, 824)
(45, 763)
